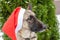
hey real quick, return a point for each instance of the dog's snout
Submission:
(35, 29)
(37, 25)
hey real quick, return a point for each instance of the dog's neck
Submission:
(25, 33)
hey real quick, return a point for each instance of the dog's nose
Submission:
(44, 27)
(27, 38)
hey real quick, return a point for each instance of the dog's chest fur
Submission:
(25, 33)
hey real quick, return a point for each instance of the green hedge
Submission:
(45, 11)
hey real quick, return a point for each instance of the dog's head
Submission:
(31, 22)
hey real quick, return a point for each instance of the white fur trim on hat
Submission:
(20, 20)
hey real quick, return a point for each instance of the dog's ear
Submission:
(29, 6)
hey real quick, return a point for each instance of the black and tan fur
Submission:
(30, 26)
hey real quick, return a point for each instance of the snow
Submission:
(1, 38)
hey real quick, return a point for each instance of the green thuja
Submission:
(45, 12)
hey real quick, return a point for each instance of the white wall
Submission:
(56, 0)
(58, 17)
(57, 5)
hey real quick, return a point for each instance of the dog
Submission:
(31, 25)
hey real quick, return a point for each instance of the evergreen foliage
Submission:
(44, 9)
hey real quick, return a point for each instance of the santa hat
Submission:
(14, 23)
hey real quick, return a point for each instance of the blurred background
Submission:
(47, 11)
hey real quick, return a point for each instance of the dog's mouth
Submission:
(42, 30)
(39, 30)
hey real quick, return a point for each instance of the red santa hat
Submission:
(14, 23)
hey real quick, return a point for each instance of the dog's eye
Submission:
(30, 18)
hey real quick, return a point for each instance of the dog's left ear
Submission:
(29, 6)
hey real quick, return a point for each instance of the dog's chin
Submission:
(40, 31)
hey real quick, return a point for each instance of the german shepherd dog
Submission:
(31, 25)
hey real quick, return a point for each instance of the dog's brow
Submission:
(31, 12)
(31, 16)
